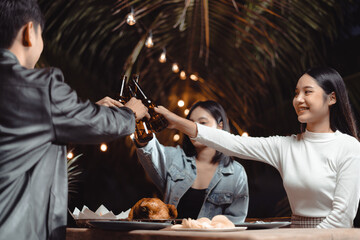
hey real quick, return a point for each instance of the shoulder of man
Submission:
(37, 77)
(49, 73)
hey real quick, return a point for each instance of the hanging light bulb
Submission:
(186, 112)
(194, 77)
(175, 68)
(182, 75)
(149, 41)
(244, 134)
(103, 147)
(70, 155)
(131, 17)
(181, 103)
(162, 57)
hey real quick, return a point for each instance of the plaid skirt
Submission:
(305, 222)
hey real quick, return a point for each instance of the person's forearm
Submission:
(176, 122)
(186, 126)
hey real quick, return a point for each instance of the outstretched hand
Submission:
(138, 108)
(109, 102)
(176, 122)
(170, 116)
(134, 104)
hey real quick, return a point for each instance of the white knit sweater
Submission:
(320, 171)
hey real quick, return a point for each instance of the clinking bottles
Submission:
(157, 121)
(142, 130)
(123, 98)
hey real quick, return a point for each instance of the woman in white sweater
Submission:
(320, 166)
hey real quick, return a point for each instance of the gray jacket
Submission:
(174, 173)
(39, 113)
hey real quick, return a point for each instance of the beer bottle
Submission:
(157, 121)
(123, 97)
(143, 132)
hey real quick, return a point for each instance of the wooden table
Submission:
(167, 234)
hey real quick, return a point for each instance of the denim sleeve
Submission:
(237, 210)
(156, 160)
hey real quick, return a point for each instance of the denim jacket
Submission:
(174, 173)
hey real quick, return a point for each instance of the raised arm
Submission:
(80, 121)
(156, 160)
(267, 150)
(176, 122)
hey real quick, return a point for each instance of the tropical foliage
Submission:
(74, 172)
(247, 54)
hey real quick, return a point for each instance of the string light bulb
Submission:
(149, 41)
(175, 68)
(186, 112)
(194, 77)
(182, 75)
(244, 134)
(181, 103)
(131, 17)
(103, 147)
(70, 155)
(162, 57)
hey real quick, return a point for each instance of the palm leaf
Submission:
(248, 54)
(74, 173)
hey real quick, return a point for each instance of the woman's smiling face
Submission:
(311, 103)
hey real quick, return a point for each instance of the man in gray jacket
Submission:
(39, 114)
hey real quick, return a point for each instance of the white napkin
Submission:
(101, 213)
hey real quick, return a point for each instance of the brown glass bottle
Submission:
(157, 121)
(123, 97)
(143, 132)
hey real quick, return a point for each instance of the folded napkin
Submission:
(101, 213)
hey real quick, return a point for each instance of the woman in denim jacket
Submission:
(198, 180)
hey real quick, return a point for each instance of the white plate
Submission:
(128, 225)
(211, 229)
(263, 225)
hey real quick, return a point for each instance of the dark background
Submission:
(80, 39)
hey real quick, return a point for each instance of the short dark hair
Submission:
(219, 114)
(341, 115)
(14, 14)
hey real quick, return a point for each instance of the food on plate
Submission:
(152, 208)
(219, 221)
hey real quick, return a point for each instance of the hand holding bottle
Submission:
(176, 122)
(157, 122)
(138, 108)
(109, 102)
(171, 117)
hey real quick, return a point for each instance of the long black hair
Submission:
(219, 114)
(341, 115)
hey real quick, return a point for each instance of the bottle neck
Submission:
(139, 89)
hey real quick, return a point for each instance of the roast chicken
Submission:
(152, 208)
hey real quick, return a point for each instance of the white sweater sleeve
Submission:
(267, 150)
(346, 196)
